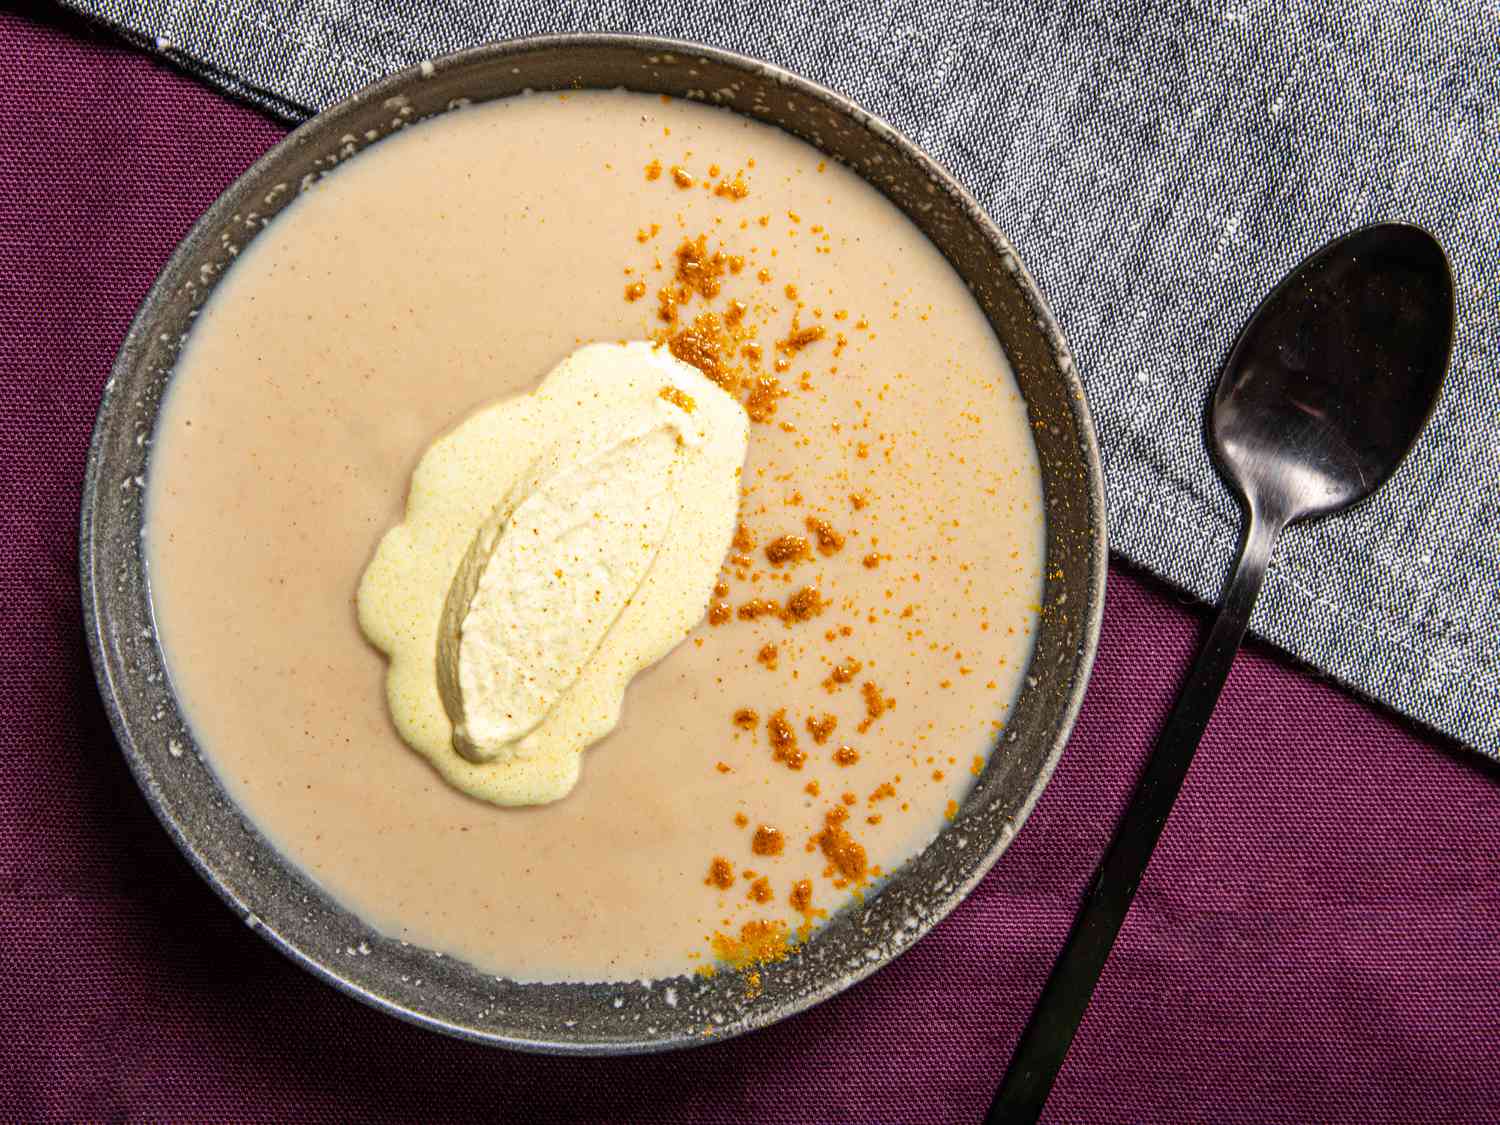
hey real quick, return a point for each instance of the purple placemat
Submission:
(1318, 938)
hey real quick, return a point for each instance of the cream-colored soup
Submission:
(890, 471)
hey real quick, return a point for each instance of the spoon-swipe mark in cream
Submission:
(546, 578)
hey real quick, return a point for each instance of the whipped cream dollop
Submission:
(554, 545)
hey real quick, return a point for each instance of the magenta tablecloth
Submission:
(1318, 938)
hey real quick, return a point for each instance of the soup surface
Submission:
(871, 624)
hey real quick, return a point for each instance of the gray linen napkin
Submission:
(1159, 165)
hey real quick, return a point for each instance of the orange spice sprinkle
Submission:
(744, 539)
(882, 791)
(978, 767)
(760, 890)
(702, 346)
(699, 270)
(801, 896)
(720, 874)
(799, 338)
(787, 549)
(768, 655)
(653, 172)
(678, 398)
(842, 851)
(857, 500)
(830, 542)
(784, 746)
(849, 798)
(846, 755)
(759, 942)
(871, 561)
(842, 673)
(759, 607)
(735, 189)
(681, 178)
(952, 810)
(720, 612)
(804, 605)
(635, 291)
(767, 841)
(812, 788)
(761, 404)
(876, 704)
(822, 728)
(746, 719)
(724, 767)
(740, 820)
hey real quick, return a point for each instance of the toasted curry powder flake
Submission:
(760, 890)
(635, 291)
(768, 655)
(761, 404)
(744, 539)
(720, 612)
(843, 673)
(679, 398)
(767, 841)
(787, 549)
(701, 346)
(759, 942)
(804, 605)
(799, 338)
(846, 755)
(822, 728)
(653, 170)
(876, 704)
(784, 746)
(732, 189)
(801, 896)
(759, 607)
(681, 177)
(720, 874)
(843, 852)
(830, 542)
(746, 719)
(699, 270)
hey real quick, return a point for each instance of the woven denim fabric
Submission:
(1159, 165)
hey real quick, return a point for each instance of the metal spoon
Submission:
(1323, 395)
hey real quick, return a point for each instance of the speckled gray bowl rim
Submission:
(283, 904)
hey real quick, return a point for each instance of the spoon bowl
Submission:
(1332, 379)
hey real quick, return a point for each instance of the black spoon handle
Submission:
(1044, 1044)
